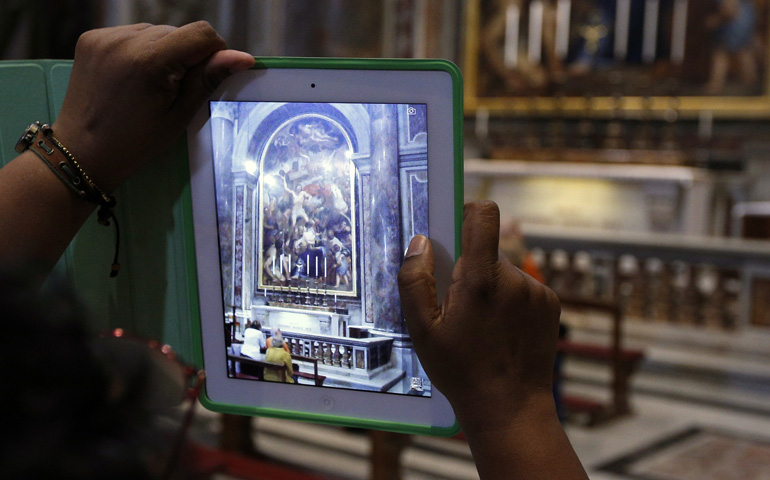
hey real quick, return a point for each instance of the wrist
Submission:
(45, 214)
(41, 140)
(82, 145)
(491, 414)
(527, 443)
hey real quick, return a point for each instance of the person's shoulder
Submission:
(283, 353)
(251, 332)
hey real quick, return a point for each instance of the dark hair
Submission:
(256, 325)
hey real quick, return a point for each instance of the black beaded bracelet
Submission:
(73, 176)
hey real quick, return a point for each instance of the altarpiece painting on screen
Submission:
(316, 203)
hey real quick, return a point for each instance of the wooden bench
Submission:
(622, 361)
(317, 379)
(231, 359)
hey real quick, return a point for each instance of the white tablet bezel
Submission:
(328, 85)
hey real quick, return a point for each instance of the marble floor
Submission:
(691, 379)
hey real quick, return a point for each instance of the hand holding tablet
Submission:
(490, 347)
(308, 180)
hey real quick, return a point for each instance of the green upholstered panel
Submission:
(156, 254)
(59, 77)
(150, 295)
(23, 99)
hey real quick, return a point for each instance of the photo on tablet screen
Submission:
(316, 204)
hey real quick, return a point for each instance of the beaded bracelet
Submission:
(72, 175)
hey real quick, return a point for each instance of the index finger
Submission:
(481, 233)
(190, 44)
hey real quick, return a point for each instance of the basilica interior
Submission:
(311, 236)
(627, 139)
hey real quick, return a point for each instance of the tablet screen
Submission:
(316, 203)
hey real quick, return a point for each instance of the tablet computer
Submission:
(308, 178)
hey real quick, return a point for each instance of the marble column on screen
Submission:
(236, 189)
(384, 243)
(223, 120)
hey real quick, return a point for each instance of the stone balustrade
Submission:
(365, 355)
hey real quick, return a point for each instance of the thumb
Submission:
(417, 288)
(481, 233)
(202, 79)
(224, 63)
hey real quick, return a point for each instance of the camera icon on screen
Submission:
(416, 384)
(411, 111)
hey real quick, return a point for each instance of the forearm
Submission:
(531, 445)
(39, 214)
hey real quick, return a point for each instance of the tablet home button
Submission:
(326, 403)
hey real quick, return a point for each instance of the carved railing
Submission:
(361, 354)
